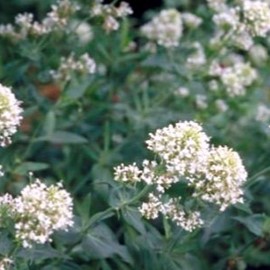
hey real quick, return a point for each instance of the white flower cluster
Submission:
(165, 29)
(110, 14)
(182, 147)
(217, 5)
(262, 113)
(171, 210)
(235, 77)
(256, 17)
(41, 210)
(25, 25)
(238, 24)
(10, 115)
(83, 31)
(70, 65)
(191, 20)
(215, 174)
(197, 57)
(6, 263)
(258, 54)
(60, 14)
(128, 173)
(221, 181)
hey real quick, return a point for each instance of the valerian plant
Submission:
(134, 143)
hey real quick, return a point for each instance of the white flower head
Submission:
(182, 147)
(129, 173)
(83, 65)
(165, 29)
(10, 115)
(191, 20)
(222, 179)
(256, 16)
(41, 210)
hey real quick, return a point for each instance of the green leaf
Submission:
(49, 124)
(5, 244)
(133, 218)
(41, 252)
(63, 137)
(77, 88)
(101, 243)
(253, 223)
(29, 166)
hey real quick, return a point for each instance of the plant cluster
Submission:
(122, 109)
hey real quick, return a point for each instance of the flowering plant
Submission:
(158, 126)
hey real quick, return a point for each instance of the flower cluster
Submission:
(256, 16)
(39, 211)
(110, 14)
(5, 263)
(222, 178)
(190, 20)
(235, 77)
(237, 25)
(127, 173)
(25, 25)
(171, 210)
(197, 57)
(214, 174)
(70, 65)
(10, 115)
(262, 113)
(217, 5)
(165, 28)
(182, 147)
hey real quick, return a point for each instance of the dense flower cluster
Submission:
(38, 212)
(10, 115)
(256, 17)
(240, 23)
(41, 210)
(70, 65)
(165, 28)
(182, 147)
(110, 14)
(235, 77)
(215, 174)
(25, 25)
(222, 178)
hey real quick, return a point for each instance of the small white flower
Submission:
(263, 113)
(197, 58)
(221, 105)
(258, 54)
(83, 65)
(182, 91)
(191, 20)
(201, 101)
(129, 173)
